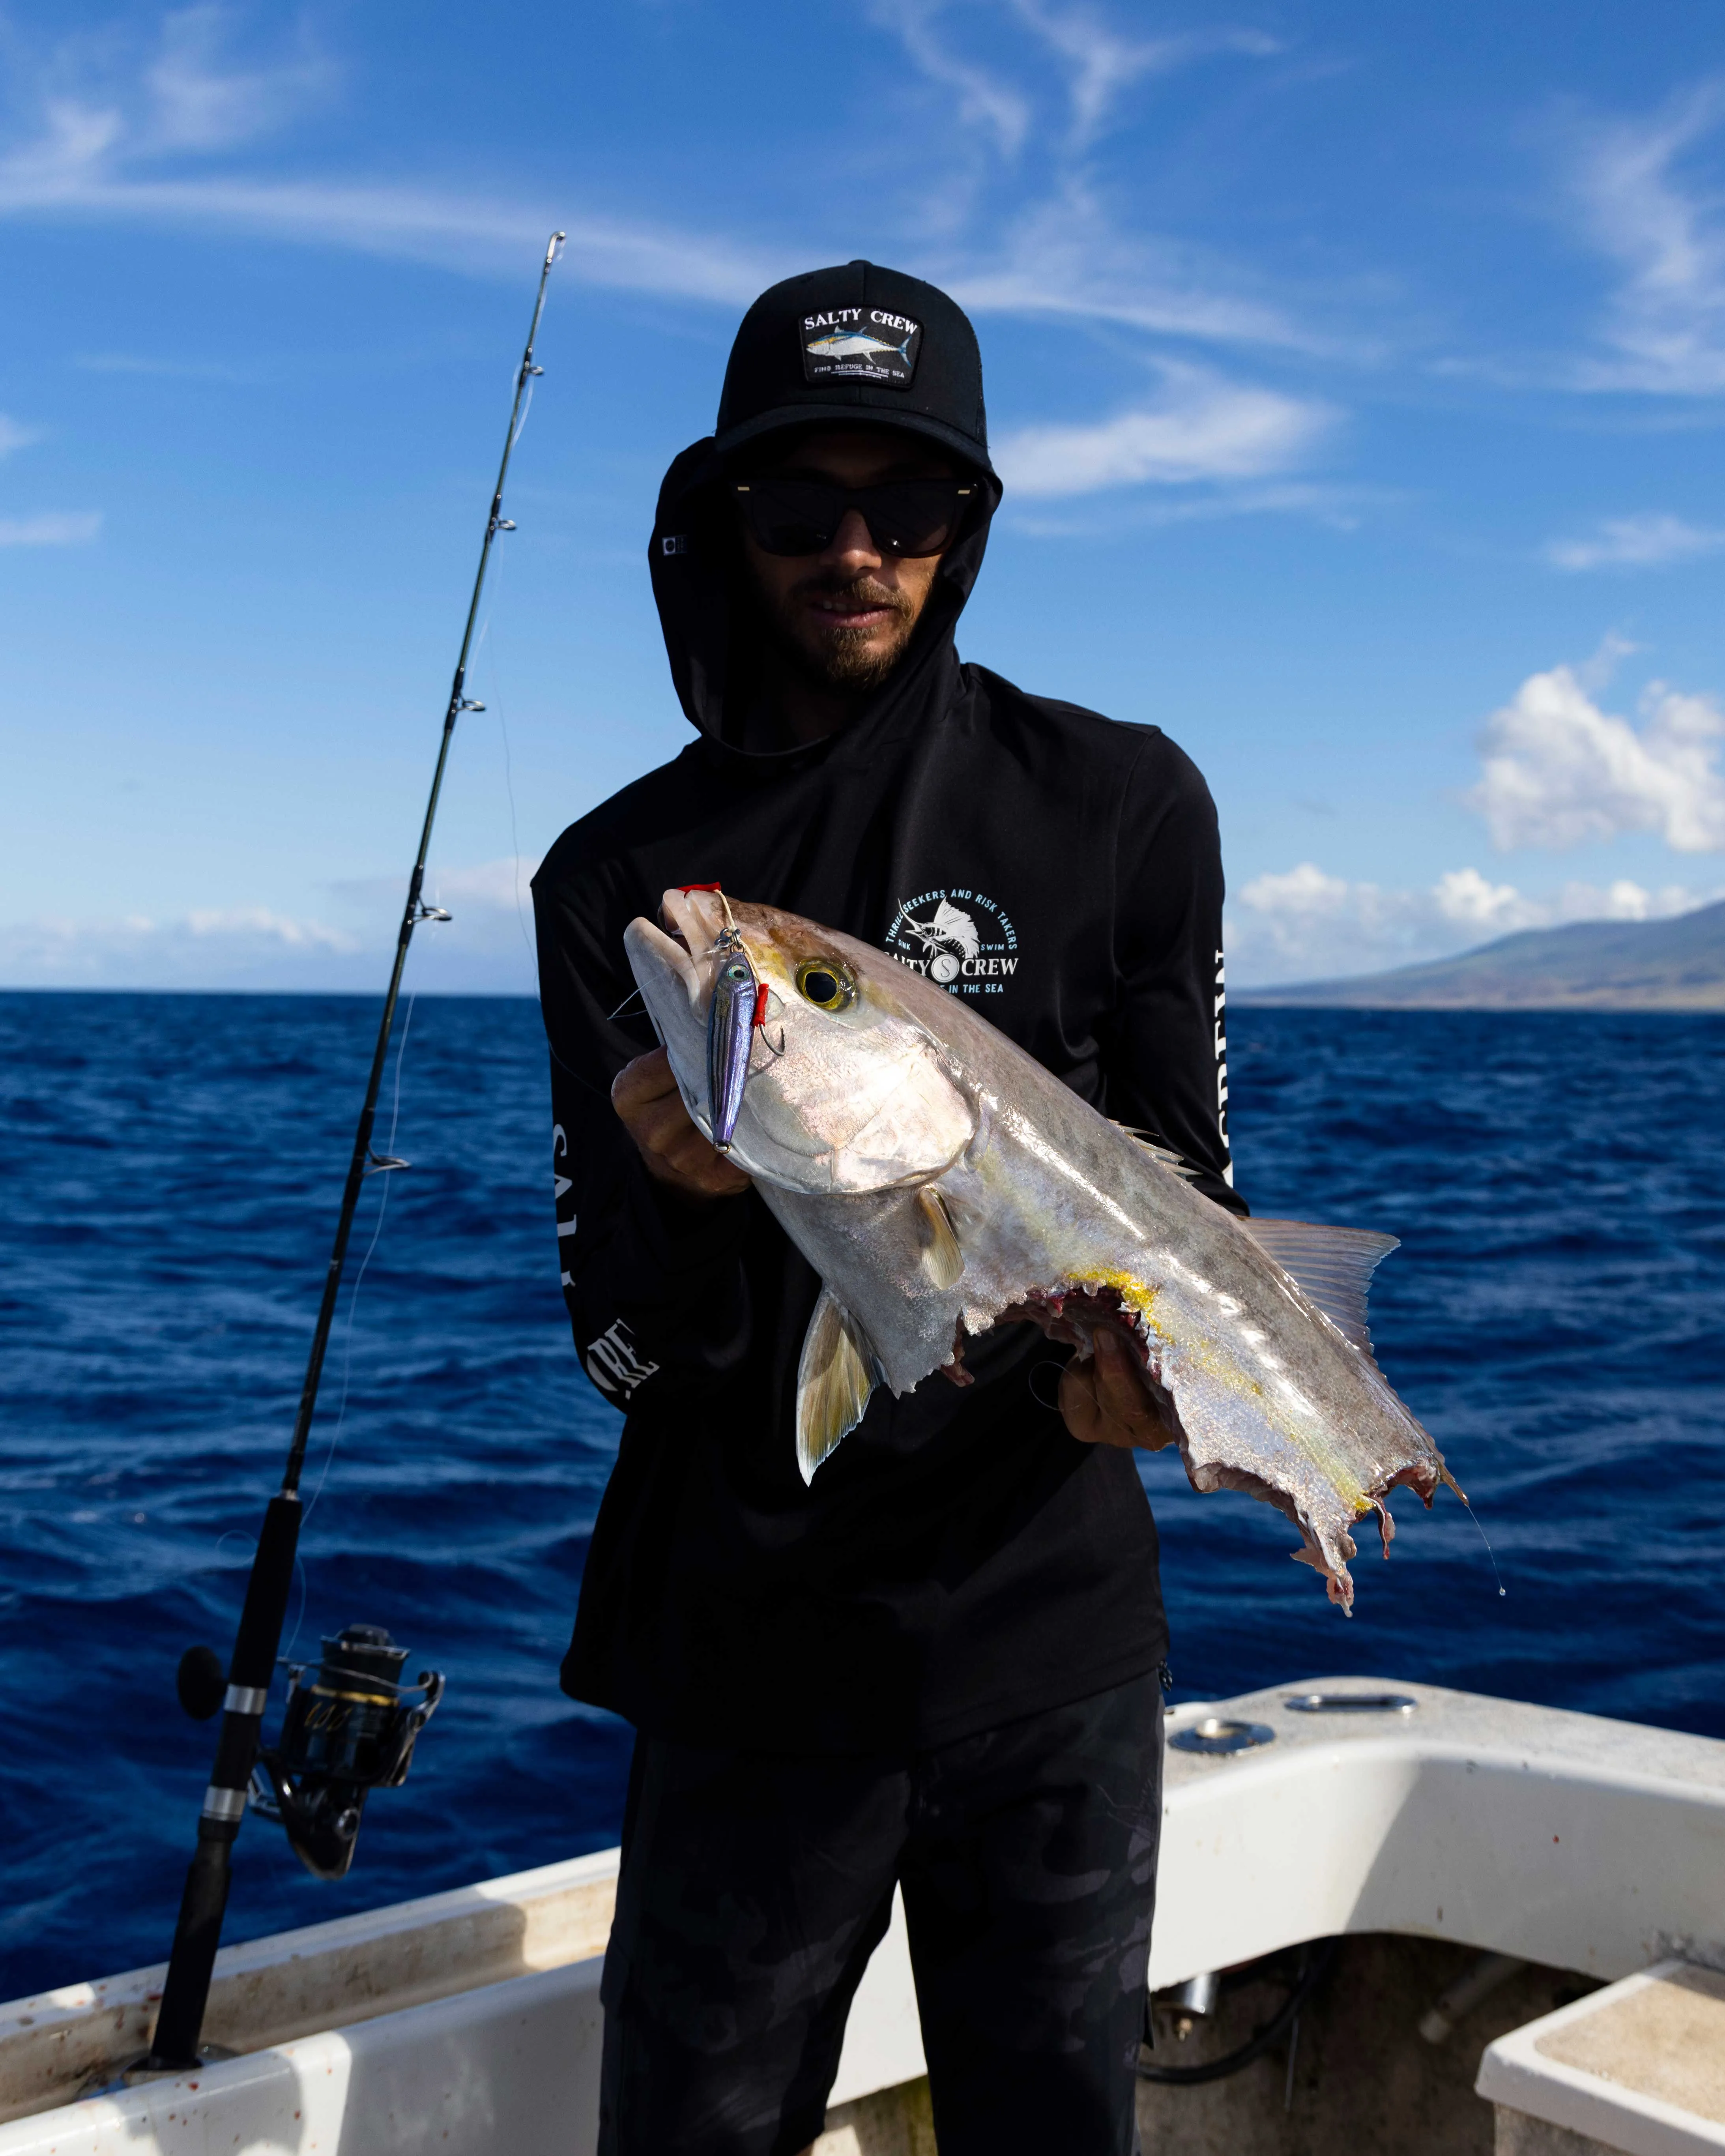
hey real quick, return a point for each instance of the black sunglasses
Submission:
(904, 516)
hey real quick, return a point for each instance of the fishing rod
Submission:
(352, 1729)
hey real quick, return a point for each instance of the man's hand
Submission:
(644, 1095)
(1109, 1400)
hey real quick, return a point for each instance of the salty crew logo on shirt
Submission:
(860, 344)
(960, 938)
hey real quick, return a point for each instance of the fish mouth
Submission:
(679, 959)
(695, 919)
(663, 967)
(676, 968)
(676, 987)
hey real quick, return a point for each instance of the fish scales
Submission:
(940, 1182)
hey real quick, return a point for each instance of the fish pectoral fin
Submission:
(834, 1378)
(1332, 1267)
(942, 1257)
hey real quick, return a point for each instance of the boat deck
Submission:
(469, 2020)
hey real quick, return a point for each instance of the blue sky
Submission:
(1356, 373)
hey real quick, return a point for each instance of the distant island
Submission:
(1672, 965)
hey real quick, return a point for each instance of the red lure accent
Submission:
(761, 994)
(686, 888)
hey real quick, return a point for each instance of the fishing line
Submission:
(522, 425)
(236, 1534)
(1491, 1553)
(515, 841)
(495, 692)
(318, 1806)
(1053, 1406)
(407, 1027)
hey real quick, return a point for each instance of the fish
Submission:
(852, 344)
(940, 1182)
(947, 928)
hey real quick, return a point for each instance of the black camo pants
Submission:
(755, 1886)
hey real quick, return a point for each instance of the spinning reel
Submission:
(351, 1730)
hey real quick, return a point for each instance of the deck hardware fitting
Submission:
(1216, 1732)
(1351, 1702)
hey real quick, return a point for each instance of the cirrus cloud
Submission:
(1647, 541)
(51, 527)
(1640, 205)
(1203, 426)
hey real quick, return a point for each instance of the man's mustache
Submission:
(858, 591)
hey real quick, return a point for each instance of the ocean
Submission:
(170, 1168)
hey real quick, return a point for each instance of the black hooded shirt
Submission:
(960, 1561)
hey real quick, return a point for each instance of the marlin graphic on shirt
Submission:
(857, 344)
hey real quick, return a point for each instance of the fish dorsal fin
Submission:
(834, 1377)
(1331, 1266)
(1166, 1154)
(942, 1259)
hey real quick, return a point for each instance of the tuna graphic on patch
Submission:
(860, 344)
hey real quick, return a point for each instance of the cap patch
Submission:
(860, 344)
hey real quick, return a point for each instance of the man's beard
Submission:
(843, 658)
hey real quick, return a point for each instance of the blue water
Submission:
(169, 1171)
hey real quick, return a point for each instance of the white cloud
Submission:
(1635, 543)
(1066, 257)
(110, 135)
(1101, 63)
(485, 949)
(1064, 253)
(984, 100)
(497, 883)
(416, 224)
(198, 101)
(1665, 327)
(1306, 924)
(1110, 515)
(71, 528)
(1202, 427)
(47, 527)
(209, 946)
(1557, 771)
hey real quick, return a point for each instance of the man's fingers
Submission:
(645, 1096)
(1121, 1392)
(649, 1077)
(1108, 1400)
(1078, 1404)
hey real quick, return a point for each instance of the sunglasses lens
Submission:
(916, 517)
(905, 517)
(787, 516)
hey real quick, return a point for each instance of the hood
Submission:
(785, 372)
(708, 619)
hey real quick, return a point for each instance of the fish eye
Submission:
(827, 986)
(736, 970)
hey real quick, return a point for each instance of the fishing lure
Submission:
(738, 1006)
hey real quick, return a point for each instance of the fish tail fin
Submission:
(834, 1378)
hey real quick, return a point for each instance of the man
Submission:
(938, 1666)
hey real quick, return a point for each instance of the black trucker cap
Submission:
(856, 345)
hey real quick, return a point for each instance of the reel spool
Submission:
(350, 1730)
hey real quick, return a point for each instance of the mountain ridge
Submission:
(1674, 964)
